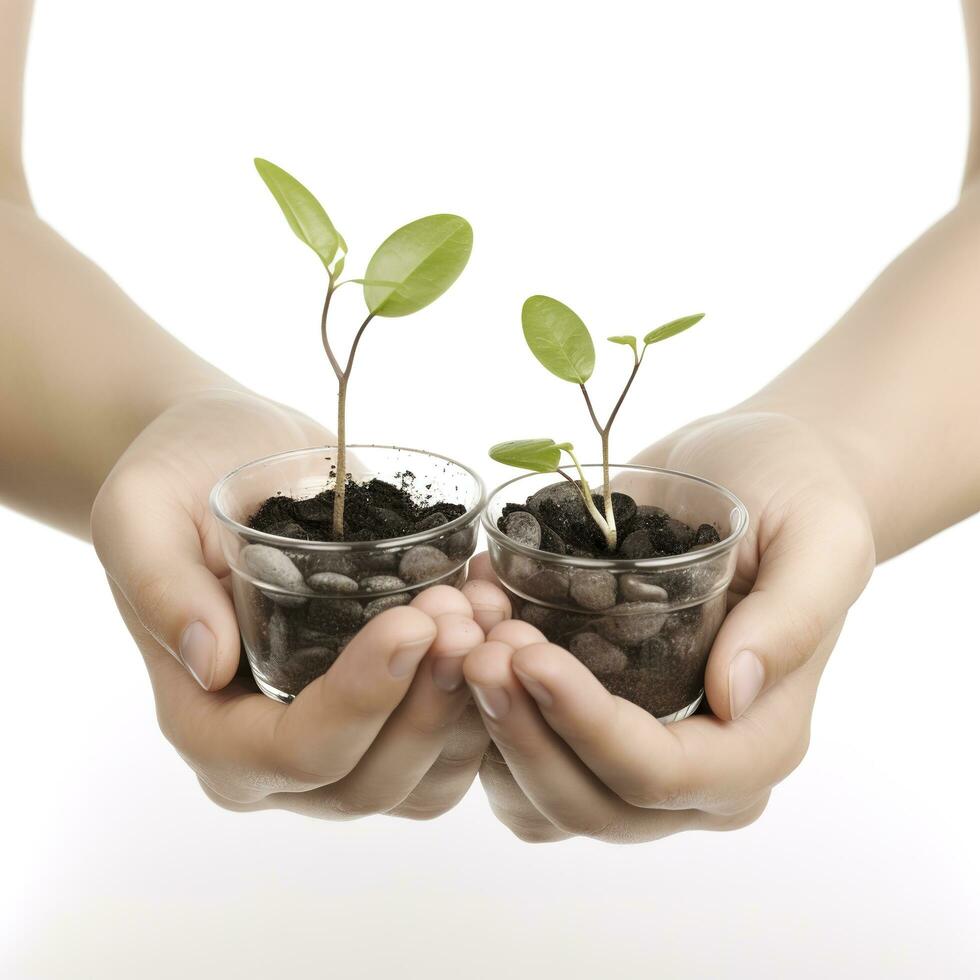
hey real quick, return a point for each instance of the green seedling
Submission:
(411, 268)
(561, 342)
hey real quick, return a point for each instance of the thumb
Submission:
(152, 552)
(811, 570)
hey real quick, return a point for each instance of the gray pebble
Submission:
(461, 544)
(561, 493)
(593, 589)
(523, 528)
(278, 637)
(599, 655)
(384, 602)
(271, 567)
(549, 584)
(381, 583)
(551, 541)
(378, 563)
(645, 510)
(432, 521)
(637, 545)
(423, 563)
(332, 583)
(334, 615)
(632, 622)
(326, 562)
(639, 588)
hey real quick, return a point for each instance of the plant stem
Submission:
(608, 532)
(340, 481)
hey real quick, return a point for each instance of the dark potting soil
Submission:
(373, 511)
(567, 529)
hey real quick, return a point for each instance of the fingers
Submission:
(411, 740)
(811, 571)
(700, 762)
(152, 551)
(490, 603)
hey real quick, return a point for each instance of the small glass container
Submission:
(644, 627)
(300, 602)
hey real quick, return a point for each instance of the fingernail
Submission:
(447, 673)
(407, 657)
(745, 679)
(494, 701)
(197, 652)
(535, 688)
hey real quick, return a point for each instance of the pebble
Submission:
(461, 544)
(271, 567)
(636, 545)
(332, 583)
(624, 509)
(706, 534)
(379, 563)
(424, 563)
(288, 529)
(278, 637)
(593, 589)
(309, 663)
(646, 510)
(381, 583)
(432, 521)
(384, 602)
(599, 655)
(639, 588)
(561, 493)
(523, 528)
(325, 562)
(552, 541)
(631, 622)
(548, 584)
(313, 509)
(334, 615)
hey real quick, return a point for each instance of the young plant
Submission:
(561, 342)
(411, 268)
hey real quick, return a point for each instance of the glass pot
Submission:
(300, 602)
(644, 627)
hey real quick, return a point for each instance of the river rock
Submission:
(271, 567)
(423, 563)
(641, 588)
(631, 622)
(381, 583)
(332, 583)
(379, 605)
(523, 528)
(599, 655)
(548, 584)
(637, 545)
(593, 589)
(334, 615)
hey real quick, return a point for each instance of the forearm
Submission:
(82, 371)
(896, 385)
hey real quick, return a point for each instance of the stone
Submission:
(641, 588)
(548, 584)
(522, 528)
(705, 535)
(637, 545)
(599, 655)
(624, 508)
(378, 563)
(423, 563)
(278, 637)
(556, 624)
(593, 589)
(334, 615)
(288, 529)
(307, 664)
(316, 562)
(432, 521)
(461, 544)
(562, 493)
(316, 510)
(332, 583)
(381, 583)
(644, 511)
(271, 567)
(384, 602)
(631, 622)
(552, 541)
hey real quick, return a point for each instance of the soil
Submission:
(372, 511)
(644, 634)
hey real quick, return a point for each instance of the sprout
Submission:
(413, 267)
(561, 342)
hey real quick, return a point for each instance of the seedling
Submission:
(561, 342)
(411, 268)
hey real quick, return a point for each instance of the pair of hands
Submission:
(557, 755)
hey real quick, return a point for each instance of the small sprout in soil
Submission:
(561, 342)
(413, 267)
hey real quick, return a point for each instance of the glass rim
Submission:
(626, 564)
(419, 537)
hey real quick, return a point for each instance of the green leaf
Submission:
(672, 328)
(303, 211)
(338, 266)
(387, 284)
(419, 261)
(558, 338)
(539, 455)
(626, 341)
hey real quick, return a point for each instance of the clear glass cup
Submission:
(300, 602)
(644, 627)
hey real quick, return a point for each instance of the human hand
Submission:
(388, 729)
(572, 759)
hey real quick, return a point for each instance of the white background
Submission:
(759, 160)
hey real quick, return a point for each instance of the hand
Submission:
(364, 738)
(571, 759)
